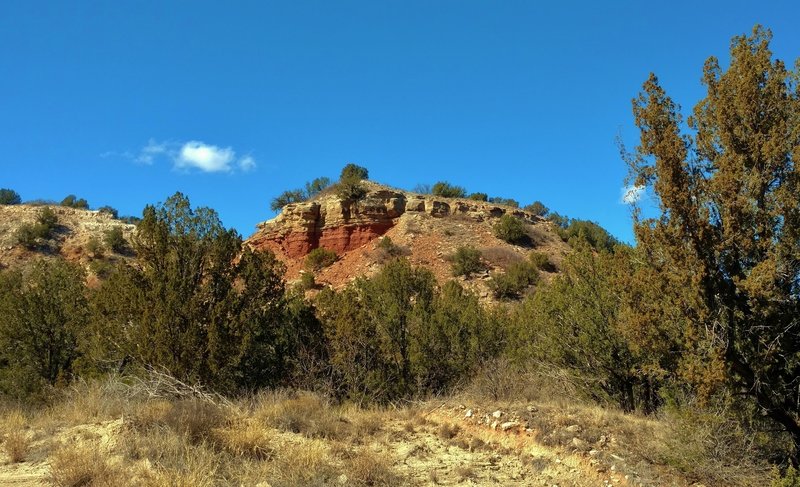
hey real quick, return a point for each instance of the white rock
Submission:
(497, 414)
(508, 425)
(468, 413)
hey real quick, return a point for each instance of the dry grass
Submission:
(501, 257)
(303, 413)
(245, 438)
(73, 466)
(16, 441)
(370, 469)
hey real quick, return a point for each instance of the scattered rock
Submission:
(497, 414)
(508, 425)
(468, 413)
(580, 444)
(573, 428)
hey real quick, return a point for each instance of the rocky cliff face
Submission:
(343, 225)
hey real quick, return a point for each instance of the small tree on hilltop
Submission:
(354, 171)
(537, 208)
(447, 190)
(9, 197)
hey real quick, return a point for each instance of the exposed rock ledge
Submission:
(344, 225)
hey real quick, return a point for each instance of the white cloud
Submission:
(189, 155)
(149, 152)
(632, 194)
(206, 157)
(247, 163)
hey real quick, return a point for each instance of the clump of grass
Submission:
(194, 418)
(16, 442)
(305, 464)
(73, 466)
(368, 469)
(465, 472)
(306, 414)
(448, 431)
(245, 438)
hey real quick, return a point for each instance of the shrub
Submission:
(447, 190)
(320, 258)
(16, 442)
(287, 197)
(83, 465)
(307, 281)
(541, 261)
(595, 235)
(504, 201)
(94, 247)
(511, 230)
(422, 188)
(9, 197)
(350, 189)
(354, 171)
(73, 201)
(514, 281)
(115, 240)
(28, 235)
(316, 186)
(466, 261)
(388, 249)
(109, 210)
(479, 197)
(537, 208)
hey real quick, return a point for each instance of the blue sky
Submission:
(124, 103)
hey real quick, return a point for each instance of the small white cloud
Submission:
(149, 152)
(206, 157)
(247, 163)
(632, 194)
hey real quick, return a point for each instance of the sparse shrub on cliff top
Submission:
(73, 201)
(9, 197)
(537, 208)
(447, 190)
(504, 201)
(479, 197)
(109, 210)
(320, 258)
(354, 171)
(466, 261)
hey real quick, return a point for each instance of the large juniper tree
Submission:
(728, 234)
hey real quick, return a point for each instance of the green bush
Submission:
(388, 249)
(9, 197)
(466, 261)
(28, 235)
(115, 240)
(511, 230)
(541, 261)
(109, 210)
(479, 197)
(537, 208)
(512, 284)
(320, 258)
(504, 201)
(791, 478)
(43, 310)
(447, 190)
(354, 171)
(94, 247)
(307, 281)
(73, 201)
(595, 235)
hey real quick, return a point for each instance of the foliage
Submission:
(388, 250)
(73, 201)
(466, 261)
(320, 258)
(422, 188)
(307, 281)
(109, 210)
(42, 312)
(197, 304)
(511, 230)
(28, 235)
(514, 281)
(354, 171)
(115, 240)
(311, 189)
(537, 208)
(726, 239)
(479, 197)
(561, 221)
(541, 261)
(597, 236)
(504, 201)
(447, 190)
(9, 197)
(791, 478)
(94, 247)
(395, 335)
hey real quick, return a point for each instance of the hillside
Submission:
(426, 228)
(69, 239)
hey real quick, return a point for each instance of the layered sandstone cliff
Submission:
(344, 225)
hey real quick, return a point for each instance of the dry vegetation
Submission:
(159, 433)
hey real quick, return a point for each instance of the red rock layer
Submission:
(297, 244)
